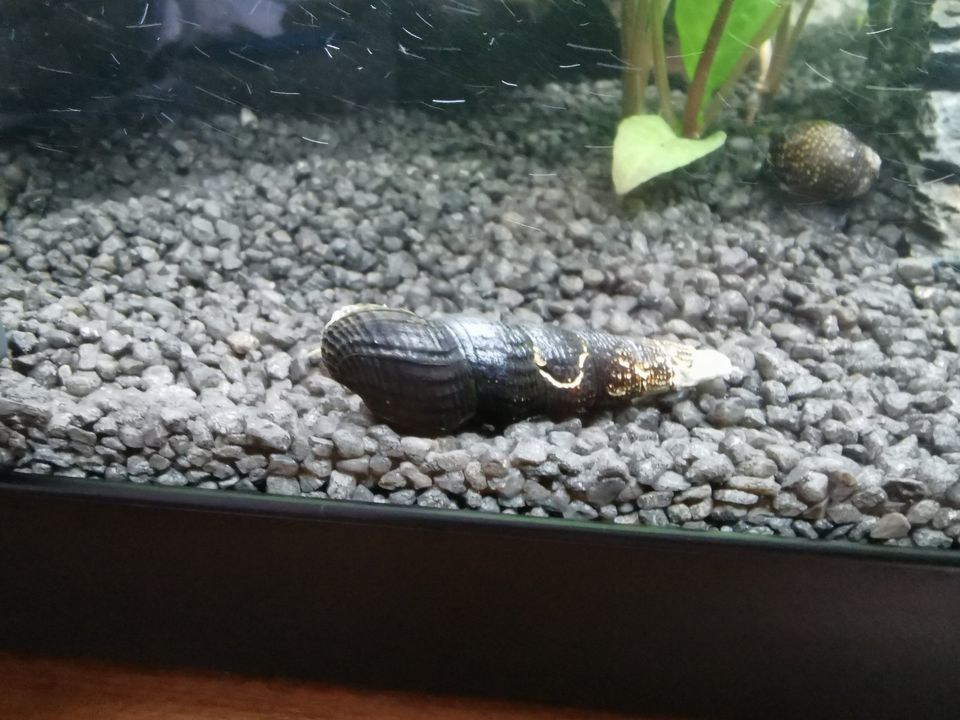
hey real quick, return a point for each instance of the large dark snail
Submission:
(821, 161)
(435, 375)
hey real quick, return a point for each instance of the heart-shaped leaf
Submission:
(646, 146)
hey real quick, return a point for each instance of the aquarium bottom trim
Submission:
(644, 621)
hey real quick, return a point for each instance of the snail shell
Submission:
(436, 375)
(821, 161)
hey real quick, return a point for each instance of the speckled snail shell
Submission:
(435, 375)
(821, 161)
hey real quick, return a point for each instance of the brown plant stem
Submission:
(775, 20)
(778, 57)
(636, 50)
(698, 87)
(660, 62)
(783, 46)
(798, 28)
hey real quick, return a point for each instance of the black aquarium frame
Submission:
(637, 619)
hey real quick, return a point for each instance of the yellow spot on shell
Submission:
(634, 376)
(541, 364)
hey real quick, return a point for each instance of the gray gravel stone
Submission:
(355, 466)
(415, 448)
(435, 498)
(922, 512)
(775, 364)
(735, 497)
(891, 526)
(414, 476)
(242, 342)
(607, 463)
(914, 271)
(170, 478)
(655, 499)
(813, 488)
(687, 414)
(88, 355)
(452, 482)
(529, 451)
(535, 494)
(605, 490)
(945, 518)
(727, 412)
(754, 485)
(805, 530)
(403, 497)
(896, 404)
(450, 461)
(930, 538)
(803, 387)
(266, 433)
(201, 376)
(952, 493)
(713, 468)
(670, 481)
(348, 442)
(844, 513)
(787, 505)
(282, 485)
(785, 456)
(115, 343)
(774, 393)
(340, 486)
(945, 439)
(863, 528)
(81, 384)
(835, 431)
(508, 486)
(579, 510)
(758, 466)
(392, 480)
(278, 366)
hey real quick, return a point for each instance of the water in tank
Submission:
(687, 263)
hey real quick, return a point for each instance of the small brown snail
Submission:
(436, 375)
(821, 161)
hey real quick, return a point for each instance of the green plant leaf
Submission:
(694, 19)
(646, 146)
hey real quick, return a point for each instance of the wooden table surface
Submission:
(46, 688)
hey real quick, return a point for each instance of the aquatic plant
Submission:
(775, 54)
(718, 39)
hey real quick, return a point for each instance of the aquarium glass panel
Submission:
(652, 263)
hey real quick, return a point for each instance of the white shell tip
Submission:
(704, 365)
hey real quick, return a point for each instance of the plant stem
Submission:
(636, 50)
(660, 62)
(776, 19)
(778, 61)
(628, 34)
(798, 28)
(782, 55)
(698, 87)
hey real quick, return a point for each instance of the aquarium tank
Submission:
(691, 264)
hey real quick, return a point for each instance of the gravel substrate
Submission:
(160, 293)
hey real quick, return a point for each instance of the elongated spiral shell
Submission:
(821, 161)
(436, 375)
